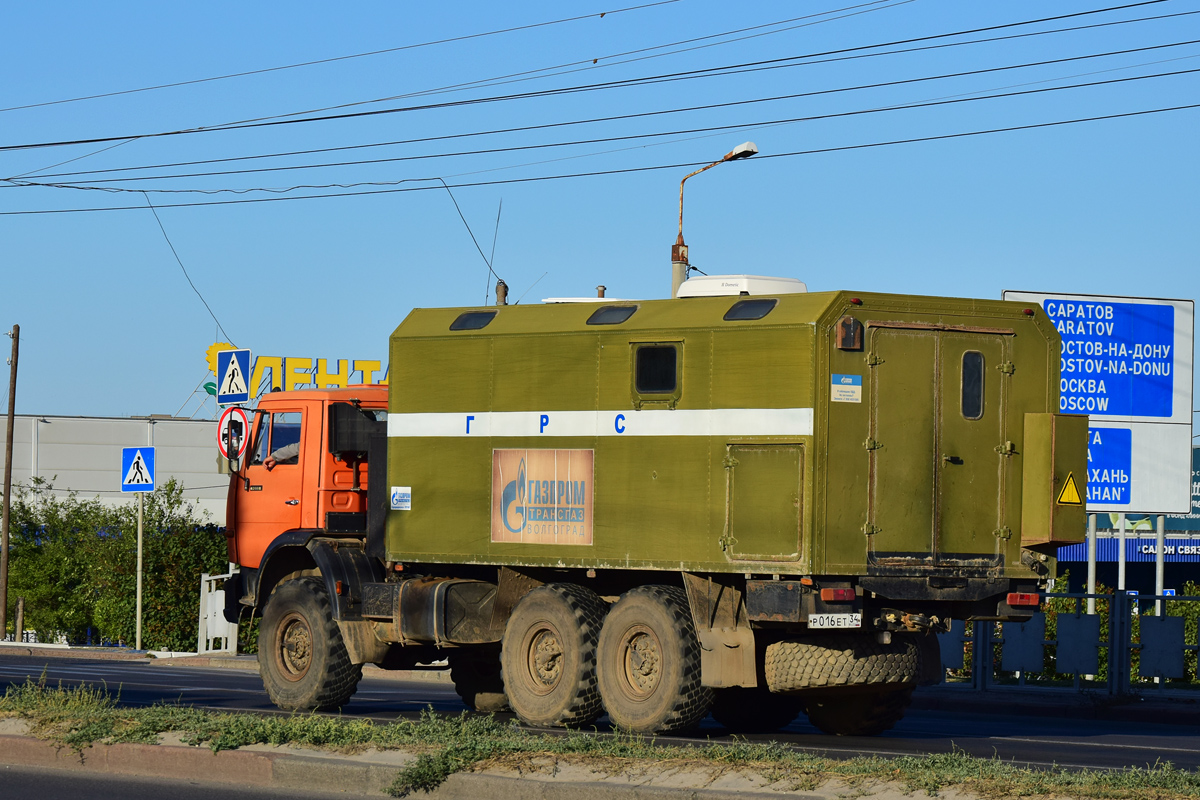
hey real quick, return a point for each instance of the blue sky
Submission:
(110, 325)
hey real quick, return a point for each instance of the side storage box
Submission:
(1053, 479)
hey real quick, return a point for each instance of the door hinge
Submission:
(1006, 449)
(730, 462)
(726, 541)
(870, 529)
(1003, 533)
(871, 444)
(873, 360)
(1007, 367)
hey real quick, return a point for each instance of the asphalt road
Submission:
(1034, 740)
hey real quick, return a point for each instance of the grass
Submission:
(78, 717)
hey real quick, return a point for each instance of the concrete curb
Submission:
(250, 663)
(96, 654)
(370, 774)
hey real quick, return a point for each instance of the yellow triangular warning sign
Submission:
(1069, 496)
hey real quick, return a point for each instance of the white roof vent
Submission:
(725, 285)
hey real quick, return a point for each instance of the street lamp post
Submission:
(679, 251)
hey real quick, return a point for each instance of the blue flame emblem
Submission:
(514, 493)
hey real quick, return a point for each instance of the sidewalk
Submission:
(370, 773)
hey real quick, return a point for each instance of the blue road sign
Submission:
(1118, 359)
(137, 469)
(1126, 362)
(233, 377)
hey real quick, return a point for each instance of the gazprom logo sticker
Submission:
(401, 498)
(846, 389)
(542, 496)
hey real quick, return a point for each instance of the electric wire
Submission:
(625, 83)
(707, 129)
(13, 183)
(396, 188)
(518, 129)
(643, 81)
(593, 63)
(179, 261)
(596, 14)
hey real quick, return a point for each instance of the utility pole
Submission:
(8, 450)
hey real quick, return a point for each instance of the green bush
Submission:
(75, 563)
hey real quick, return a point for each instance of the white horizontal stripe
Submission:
(657, 422)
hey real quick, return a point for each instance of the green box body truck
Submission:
(756, 505)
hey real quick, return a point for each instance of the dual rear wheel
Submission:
(566, 658)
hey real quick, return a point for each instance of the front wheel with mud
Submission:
(301, 657)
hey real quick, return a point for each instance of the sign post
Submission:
(137, 467)
(1127, 363)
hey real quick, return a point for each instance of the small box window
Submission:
(750, 309)
(611, 315)
(656, 369)
(972, 385)
(472, 320)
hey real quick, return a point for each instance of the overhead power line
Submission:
(520, 129)
(708, 72)
(624, 171)
(315, 62)
(660, 112)
(618, 59)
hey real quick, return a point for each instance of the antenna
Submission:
(530, 289)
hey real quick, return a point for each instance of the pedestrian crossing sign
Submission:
(233, 377)
(137, 469)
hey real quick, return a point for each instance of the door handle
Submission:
(952, 459)
(292, 502)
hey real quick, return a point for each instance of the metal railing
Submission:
(1117, 650)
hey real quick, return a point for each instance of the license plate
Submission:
(834, 621)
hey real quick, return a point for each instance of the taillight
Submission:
(837, 595)
(1024, 599)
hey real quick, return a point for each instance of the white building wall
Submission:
(83, 454)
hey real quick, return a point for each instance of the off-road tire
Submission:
(866, 713)
(649, 663)
(301, 656)
(476, 676)
(929, 652)
(849, 659)
(548, 656)
(757, 710)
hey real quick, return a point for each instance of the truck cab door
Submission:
(269, 498)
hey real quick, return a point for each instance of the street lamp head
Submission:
(743, 150)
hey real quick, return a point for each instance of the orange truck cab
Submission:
(291, 479)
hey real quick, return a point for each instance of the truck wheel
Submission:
(860, 714)
(744, 710)
(548, 656)
(477, 680)
(649, 664)
(301, 656)
(848, 659)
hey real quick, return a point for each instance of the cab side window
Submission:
(285, 437)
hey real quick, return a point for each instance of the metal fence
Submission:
(1129, 644)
